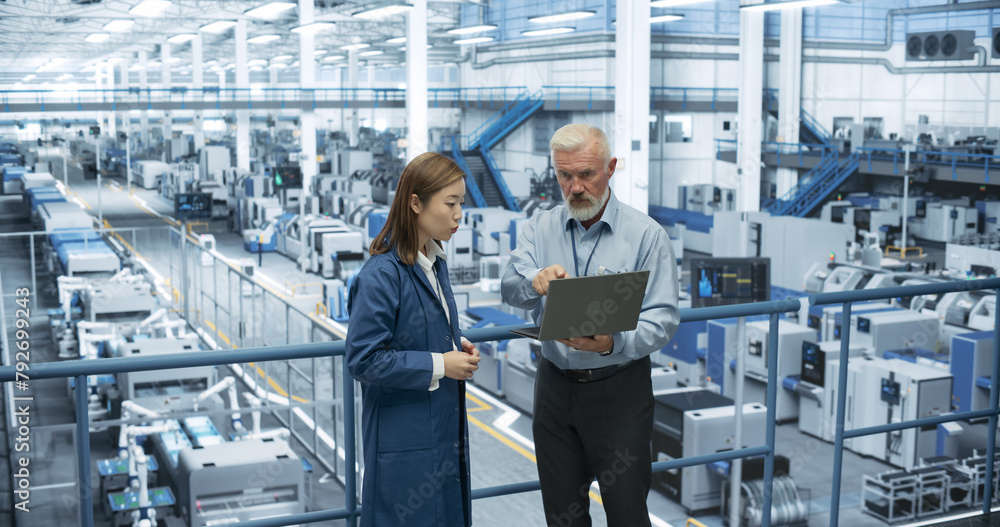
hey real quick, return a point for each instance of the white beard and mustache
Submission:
(586, 212)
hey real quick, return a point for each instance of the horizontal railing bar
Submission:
(839, 297)
(505, 490)
(740, 310)
(728, 455)
(924, 421)
(295, 519)
(55, 370)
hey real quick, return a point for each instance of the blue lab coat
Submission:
(415, 440)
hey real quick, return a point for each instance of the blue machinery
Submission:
(80, 371)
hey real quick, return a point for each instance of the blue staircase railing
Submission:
(470, 181)
(508, 198)
(828, 162)
(821, 186)
(507, 120)
(817, 129)
(488, 124)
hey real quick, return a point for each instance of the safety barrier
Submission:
(80, 370)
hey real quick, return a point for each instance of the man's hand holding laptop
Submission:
(595, 343)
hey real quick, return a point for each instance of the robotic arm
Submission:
(129, 408)
(276, 433)
(228, 384)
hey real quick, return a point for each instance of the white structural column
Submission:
(416, 79)
(243, 84)
(631, 134)
(166, 83)
(113, 116)
(352, 68)
(99, 85)
(143, 85)
(751, 86)
(307, 81)
(198, 83)
(126, 83)
(789, 90)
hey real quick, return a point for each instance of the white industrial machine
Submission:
(212, 160)
(892, 391)
(818, 387)
(317, 242)
(486, 223)
(147, 174)
(892, 330)
(690, 422)
(178, 179)
(239, 481)
(164, 390)
(943, 223)
(790, 339)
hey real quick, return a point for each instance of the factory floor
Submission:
(502, 451)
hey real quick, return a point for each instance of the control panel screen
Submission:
(727, 281)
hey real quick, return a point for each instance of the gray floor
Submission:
(499, 457)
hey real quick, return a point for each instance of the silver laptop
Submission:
(590, 305)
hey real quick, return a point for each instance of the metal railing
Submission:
(847, 298)
(139, 98)
(931, 157)
(80, 370)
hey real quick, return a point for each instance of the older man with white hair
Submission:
(593, 410)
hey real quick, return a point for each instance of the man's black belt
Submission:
(591, 375)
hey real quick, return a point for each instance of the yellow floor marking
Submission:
(274, 385)
(84, 202)
(482, 404)
(507, 441)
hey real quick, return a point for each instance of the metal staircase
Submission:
(811, 132)
(816, 185)
(479, 160)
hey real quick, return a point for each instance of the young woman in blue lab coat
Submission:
(404, 346)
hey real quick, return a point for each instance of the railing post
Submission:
(772, 403)
(350, 452)
(83, 451)
(838, 445)
(991, 433)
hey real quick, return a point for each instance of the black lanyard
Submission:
(576, 264)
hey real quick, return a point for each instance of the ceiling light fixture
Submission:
(333, 58)
(674, 3)
(119, 26)
(665, 18)
(371, 53)
(396, 40)
(181, 38)
(471, 29)
(150, 8)
(153, 63)
(269, 11)
(115, 60)
(318, 52)
(562, 17)
(352, 47)
(29, 77)
(256, 62)
(219, 26)
(790, 4)
(263, 39)
(97, 38)
(381, 12)
(548, 31)
(312, 29)
(474, 40)
(172, 60)
(282, 58)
